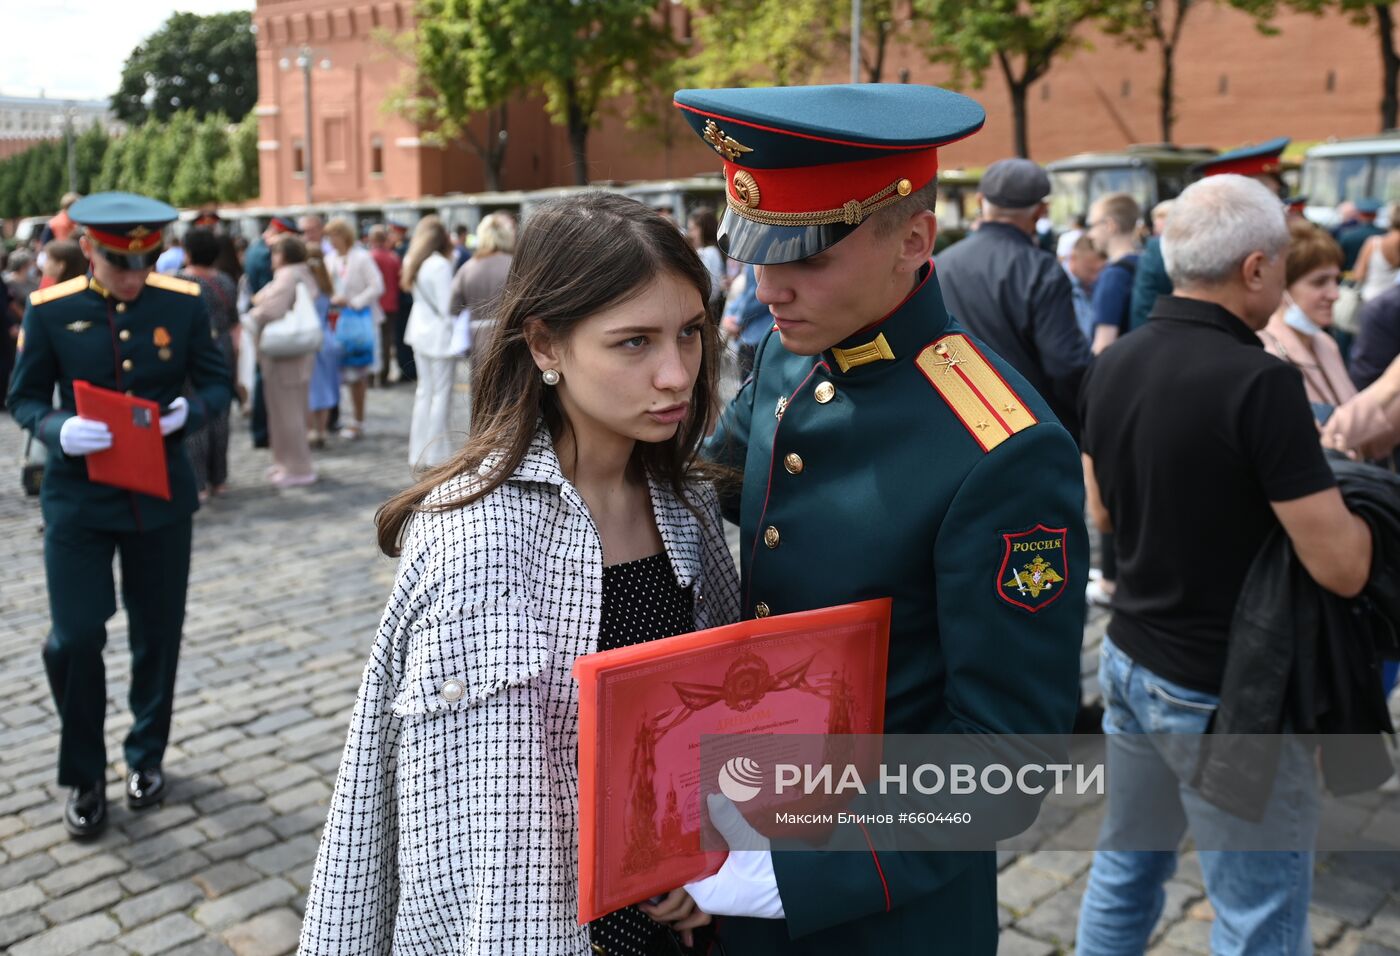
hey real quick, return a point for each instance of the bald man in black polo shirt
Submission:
(1197, 444)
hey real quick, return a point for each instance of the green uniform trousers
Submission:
(155, 568)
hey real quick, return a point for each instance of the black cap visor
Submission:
(129, 260)
(763, 245)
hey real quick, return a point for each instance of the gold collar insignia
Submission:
(874, 351)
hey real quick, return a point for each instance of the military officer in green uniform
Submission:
(1352, 238)
(886, 453)
(126, 328)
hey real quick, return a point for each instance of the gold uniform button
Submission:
(121, 306)
(760, 610)
(128, 365)
(793, 463)
(124, 335)
(771, 536)
(825, 392)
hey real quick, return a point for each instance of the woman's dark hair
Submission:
(575, 257)
(703, 218)
(202, 246)
(68, 252)
(292, 248)
(227, 259)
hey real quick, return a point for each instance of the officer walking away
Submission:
(1013, 294)
(1352, 238)
(886, 452)
(127, 328)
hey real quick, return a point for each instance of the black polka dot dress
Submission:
(641, 602)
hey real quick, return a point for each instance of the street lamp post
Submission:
(72, 153)
(855, 41)
(304, 60)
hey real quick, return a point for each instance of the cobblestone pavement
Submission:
(285, 595)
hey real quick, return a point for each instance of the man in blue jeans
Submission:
(1196, 447)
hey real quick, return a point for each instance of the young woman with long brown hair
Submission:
(576, 518)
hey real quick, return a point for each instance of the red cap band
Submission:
(815, 188)
(129, 244)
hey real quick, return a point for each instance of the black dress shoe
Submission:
(85, 813)
(144, 788)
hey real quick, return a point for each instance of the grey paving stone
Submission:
(152, 821)
(281, 857)
(235, 819)
(244, 904)
(268, 934)
(1191, 935)
(1351, 901)
(25, 869)
(81, 902)
(20, 926)
(1020, 886)
(69, 938)
(240, 845)
(1056, 918)
(20, 898)
(1014, 943)
(163, 935)
(80, 874)
(226, 877)
(311, 793)
(157, 902)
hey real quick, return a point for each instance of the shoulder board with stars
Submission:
(988, 408)
(172, 284)
(40, 296)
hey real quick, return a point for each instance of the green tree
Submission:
(139, 142)
(456, 78)
(113, 163)
(578, 54)
(203, 63)
(785, 42)
(170, 143)
(1022, 39)
(194, 181)
(236, 172)
(1378, 17)
(90, 147)
(1159, 23)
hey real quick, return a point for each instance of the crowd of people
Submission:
(905, 423)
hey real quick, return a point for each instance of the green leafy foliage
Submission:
(207, 64)
(574, 53)
(782, 42)
(186, 161)
(1022, 39)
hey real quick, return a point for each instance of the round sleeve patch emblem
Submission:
(1034, 567)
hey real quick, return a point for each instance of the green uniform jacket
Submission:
(1149, 281)
(1352, 238)
(149, 348)
(932, 478)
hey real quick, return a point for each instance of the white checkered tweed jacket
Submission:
(454, 825)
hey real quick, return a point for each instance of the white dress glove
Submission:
(174, 420)
(83, 436)
(745, 885)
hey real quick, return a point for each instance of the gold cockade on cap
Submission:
(724, 144)
(746, 189)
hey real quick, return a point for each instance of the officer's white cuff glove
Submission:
(745, 885)
(174, 419)
(83, 436)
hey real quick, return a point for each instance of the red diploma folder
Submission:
(136, 460)
(642, 713)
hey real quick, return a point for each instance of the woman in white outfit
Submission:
(427, 274)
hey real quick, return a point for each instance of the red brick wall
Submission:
(1271, 86)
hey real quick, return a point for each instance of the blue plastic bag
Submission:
(354, 333)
